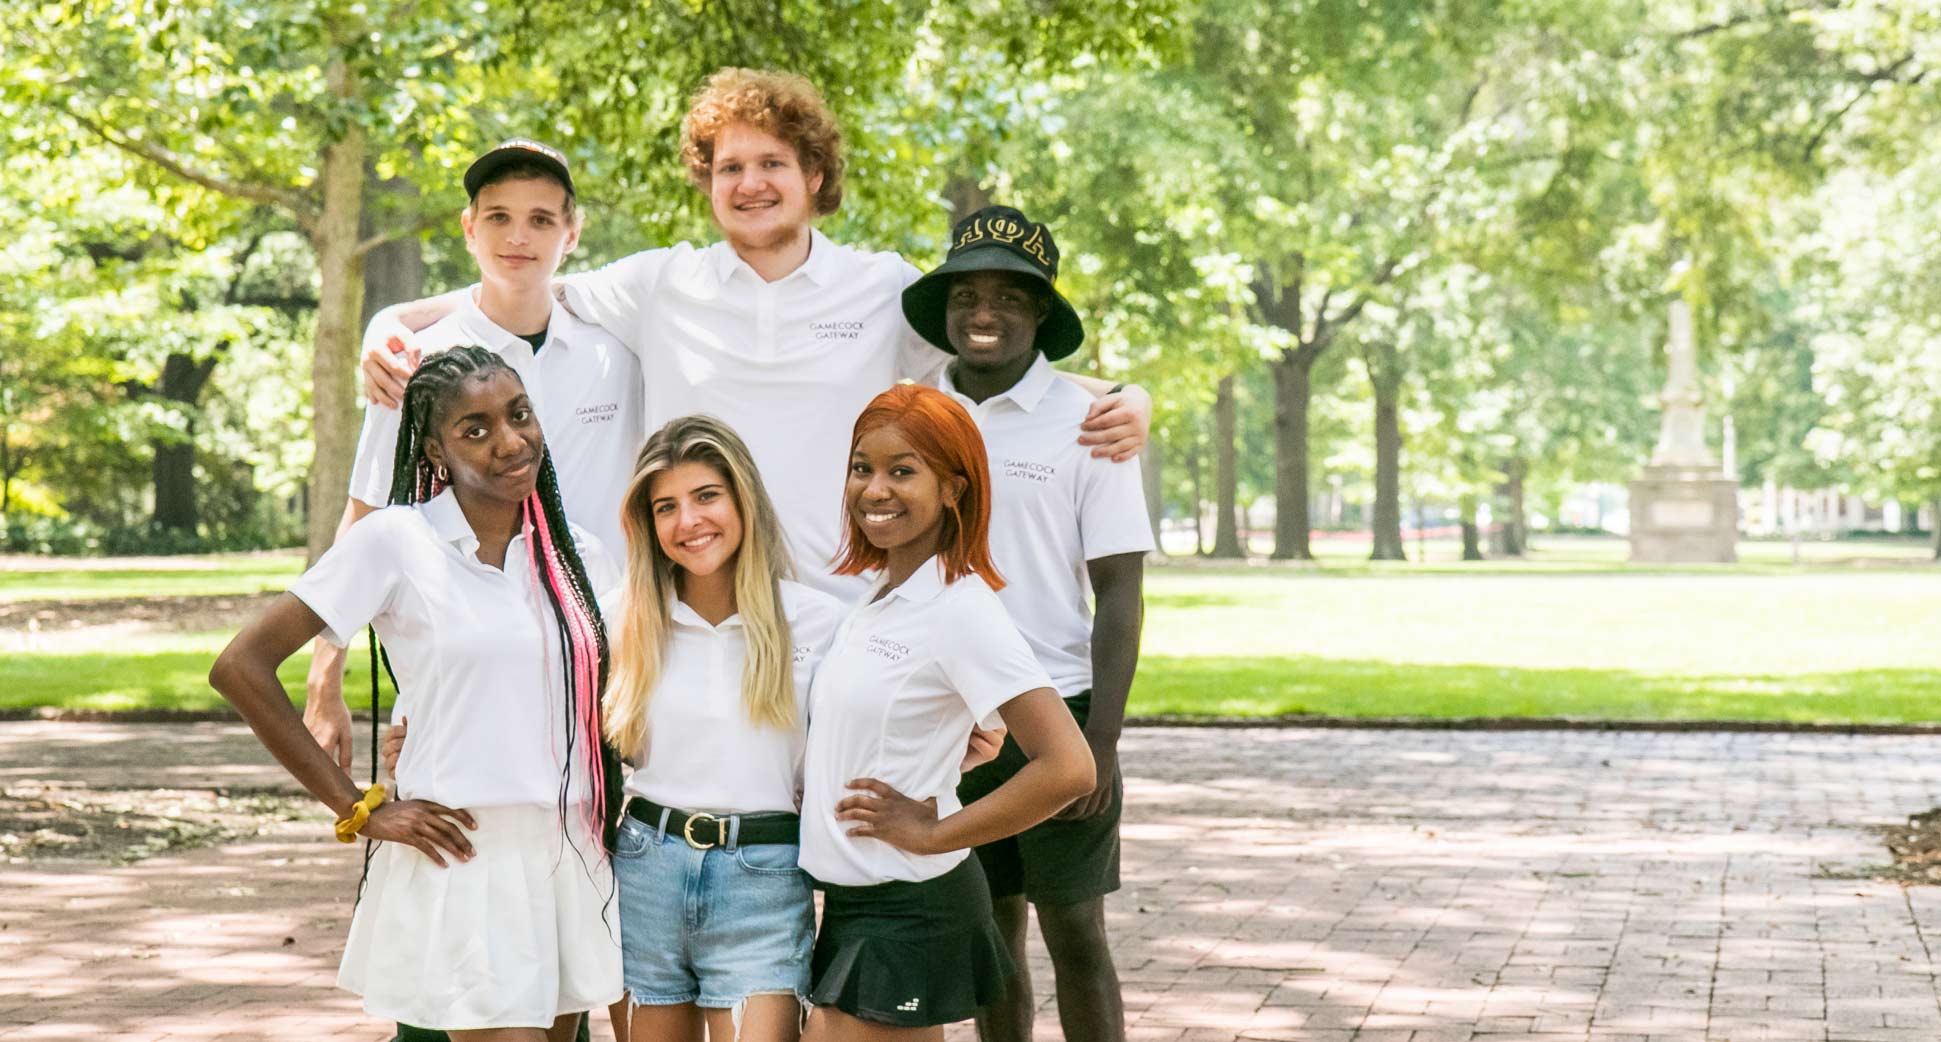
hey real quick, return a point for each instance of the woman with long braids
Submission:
(484, 910)
(714, 645)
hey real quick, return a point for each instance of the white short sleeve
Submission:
(985, 658)
(917, 360)
(920, 361)
(613, 297)
(1112, 509)
(356, 580)
(603, 573)
(377, 450)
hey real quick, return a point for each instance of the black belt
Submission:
(708, 830)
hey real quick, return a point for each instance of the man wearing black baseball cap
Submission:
(518, 151)
(1063, 525)
(520, 221)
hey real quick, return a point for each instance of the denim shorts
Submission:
(713, 926)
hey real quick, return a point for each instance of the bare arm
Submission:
(245, 674)
(387, 365)
(324, 712)
(1118, 584)
(1119, 423)
(1059, 771)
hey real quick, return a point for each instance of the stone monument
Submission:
(1685, 509)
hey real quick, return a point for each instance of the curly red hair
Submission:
(947, 439)
(777, 103)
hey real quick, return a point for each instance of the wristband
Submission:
(360, 812)
(1116, 388)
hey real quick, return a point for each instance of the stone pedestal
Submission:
(1682, 517)
(1685, 509)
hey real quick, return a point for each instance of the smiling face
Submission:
(760, 195)
(895, 497)
(696, 520)
(991, 319)
(487, 436)
(519, 231)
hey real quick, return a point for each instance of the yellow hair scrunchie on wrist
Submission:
(360, 812)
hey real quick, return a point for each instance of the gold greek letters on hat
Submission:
(1036, 246)
(1007, 231)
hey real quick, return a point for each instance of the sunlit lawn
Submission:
(91, 579)
(1844, 637)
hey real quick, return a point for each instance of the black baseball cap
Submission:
(996, 238)
(517, 150)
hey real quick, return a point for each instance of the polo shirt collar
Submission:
(924, 584)
(1025, 394)
(448, 520)
(500, 339)
(820, 268)
(682, 615)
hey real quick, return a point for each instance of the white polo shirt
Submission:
(476, 650)
(702, 753)
(1053, 508)
(788, 364)
(905, 678)
(583, 384)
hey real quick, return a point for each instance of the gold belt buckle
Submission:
(687, 832)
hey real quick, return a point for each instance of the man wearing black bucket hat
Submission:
(1063, 525)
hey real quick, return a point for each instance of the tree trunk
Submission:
(1472, 543)
(333, 365)
(1226, 532)
(395, 271)
(1293, 390)
(1199, 501)
(173, 469)
(1520, 526)
(6, 470)
(965, 196)
(1507, 539)
(1937, 528)
(1387, 522)
(1151, 463)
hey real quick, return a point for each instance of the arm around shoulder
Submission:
(1119, 423)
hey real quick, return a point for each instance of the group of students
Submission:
(866, 535)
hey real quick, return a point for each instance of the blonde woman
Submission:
(713, 649)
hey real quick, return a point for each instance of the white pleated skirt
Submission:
(525, 931)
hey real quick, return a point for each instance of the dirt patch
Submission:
(119, 826)
(177, 614)
(1915, 847)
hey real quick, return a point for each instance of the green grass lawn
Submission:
(69, 579)
(1569, 632)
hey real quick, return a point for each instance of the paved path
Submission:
(1381, 886)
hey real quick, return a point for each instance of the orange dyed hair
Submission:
(777, 103)
(947, 439)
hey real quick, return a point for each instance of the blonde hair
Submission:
(639, 635)
(777, 103)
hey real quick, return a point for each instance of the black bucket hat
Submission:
(517, 150)
(996, 238)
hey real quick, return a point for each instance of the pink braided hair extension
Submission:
(585, 673)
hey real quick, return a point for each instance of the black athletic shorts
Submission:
(1055, 862)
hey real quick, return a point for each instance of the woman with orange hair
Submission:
(907, 942)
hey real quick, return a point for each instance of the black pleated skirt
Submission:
(910, 954)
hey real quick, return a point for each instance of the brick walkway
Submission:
(1383, 886)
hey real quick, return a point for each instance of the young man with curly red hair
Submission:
(775, 329)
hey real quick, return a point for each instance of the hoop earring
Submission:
(442, 475)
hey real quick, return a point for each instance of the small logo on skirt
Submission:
(908, 1007)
